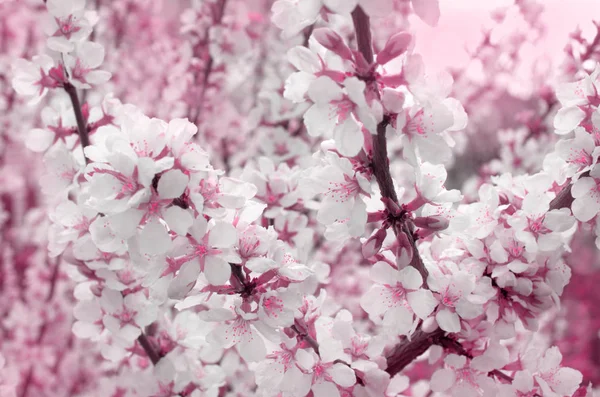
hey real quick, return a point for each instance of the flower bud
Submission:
(372, 246)
(333, 42)
(434, 222)
(404, 251)
(395, 46)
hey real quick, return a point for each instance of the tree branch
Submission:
(152, 354)
(380, 163)
(81, 123)
(407, 351)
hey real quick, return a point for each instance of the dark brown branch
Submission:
(81, 123)
(564, 198)
(362, 26)
(380, 163)
(406, 352)
(152, 354)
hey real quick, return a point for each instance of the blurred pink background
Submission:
(462, 21)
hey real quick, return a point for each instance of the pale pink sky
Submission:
(462, 21)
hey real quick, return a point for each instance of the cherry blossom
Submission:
(284, 198)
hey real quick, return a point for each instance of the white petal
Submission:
(39, 139)
(97, 77)
(567, 119)
(154, 239)
(448, 320)
(400, 320)
(325, 389)
(348, 138)
(222, 235)
(324, 90)
(319, 121)
(382, 273)
(584, 209)
(216, 270)
(410, 278)
(172, 184)
(178, 220)
(442, 380)
(422, 302)
(342, 374)
(341, 6)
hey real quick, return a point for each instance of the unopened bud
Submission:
(372, 246)
(434, 222)
(333, 42)
(404, 251)
(395, 46)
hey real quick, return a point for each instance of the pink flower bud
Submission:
(392, 207)
(435, 222)
(404, 251)
(333, 42)
(395, 46)
(372, 246)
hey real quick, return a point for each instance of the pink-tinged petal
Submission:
(222, 235)
(442, 380)
(448, 320)
(172, 184)
(567, 119)
(422, 302)
(523, 381)
(342, 374)
(216, 270)
(333, 42)
(566, 381)
(427, 10)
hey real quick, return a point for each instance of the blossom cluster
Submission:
(265, 198)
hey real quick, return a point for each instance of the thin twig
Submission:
(81, 123)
